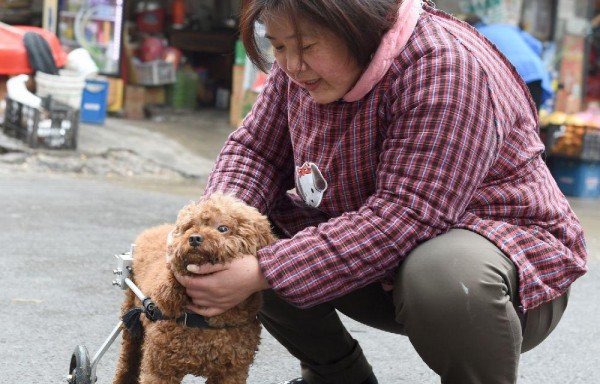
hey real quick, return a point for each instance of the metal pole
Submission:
(135, 289)
(104, 348)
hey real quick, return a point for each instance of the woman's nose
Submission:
(294, 62)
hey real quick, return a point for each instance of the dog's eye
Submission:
(223, 228)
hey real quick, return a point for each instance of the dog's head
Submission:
(214, 230)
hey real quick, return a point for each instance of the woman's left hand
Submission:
(213, 289)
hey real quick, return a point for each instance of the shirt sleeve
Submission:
(256, 163)
(439, 143)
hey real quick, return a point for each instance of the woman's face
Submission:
(327, 70)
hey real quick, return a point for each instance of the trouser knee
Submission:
(454, 295)
(452, 276)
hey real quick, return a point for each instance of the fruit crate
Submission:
(154, 73)
(53, 125)
(576, 141)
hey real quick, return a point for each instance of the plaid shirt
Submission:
(447, 139)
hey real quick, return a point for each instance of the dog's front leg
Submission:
(149, 377)
(238, 376)
(128, 365)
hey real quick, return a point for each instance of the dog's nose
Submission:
(196, 240)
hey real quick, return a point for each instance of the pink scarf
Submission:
(391, 44)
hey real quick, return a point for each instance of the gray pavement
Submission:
(65, 214)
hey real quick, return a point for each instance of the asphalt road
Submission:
(59, 235)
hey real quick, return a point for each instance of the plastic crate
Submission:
(590, 149)
(576, 141)
(53, 126)
(157, 72)
(576, 177)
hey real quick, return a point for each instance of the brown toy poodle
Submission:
(172, 344)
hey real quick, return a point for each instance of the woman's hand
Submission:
(216, 288)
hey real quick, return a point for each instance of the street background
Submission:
(65, 214)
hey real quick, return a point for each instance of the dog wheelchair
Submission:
(82, 370)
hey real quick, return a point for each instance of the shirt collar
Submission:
(390, 47)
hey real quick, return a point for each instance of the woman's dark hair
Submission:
(360, 23)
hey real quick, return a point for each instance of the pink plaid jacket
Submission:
(447, 139)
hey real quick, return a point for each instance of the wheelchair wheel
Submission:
(80, 370)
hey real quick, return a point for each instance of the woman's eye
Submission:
(223, 228)
(304, 48)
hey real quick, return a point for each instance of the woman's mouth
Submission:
(311, 85)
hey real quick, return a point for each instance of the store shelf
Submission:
(72, 15)
(75, 44)
(204, 42)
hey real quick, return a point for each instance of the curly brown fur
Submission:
(169, 351)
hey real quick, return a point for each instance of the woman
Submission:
(421, 204)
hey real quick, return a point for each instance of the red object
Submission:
(172, 55)
(150, 17)
(151, 49)
(178, 13)
(13, 55)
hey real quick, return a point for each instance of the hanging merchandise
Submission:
(178, 12)
(150, 16)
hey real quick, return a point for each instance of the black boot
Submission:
(370, 380)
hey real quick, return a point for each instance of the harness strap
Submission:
(132, 322)
(190, 320)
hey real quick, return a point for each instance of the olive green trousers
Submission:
(455, 297)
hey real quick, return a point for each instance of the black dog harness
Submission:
(132, 322)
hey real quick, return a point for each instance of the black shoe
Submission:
(370, 380)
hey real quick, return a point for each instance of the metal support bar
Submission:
(136, 290)
(104, 348)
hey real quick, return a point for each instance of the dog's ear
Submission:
(185, 214)
(265, 232)
(252, 226)
(256, 230)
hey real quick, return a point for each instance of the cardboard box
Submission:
(155, 95)
(237, 96)
(134, 102)
(114, 101)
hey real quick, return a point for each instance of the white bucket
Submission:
(66, 87)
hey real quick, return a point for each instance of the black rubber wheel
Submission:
(80, 370)
(39, 53)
